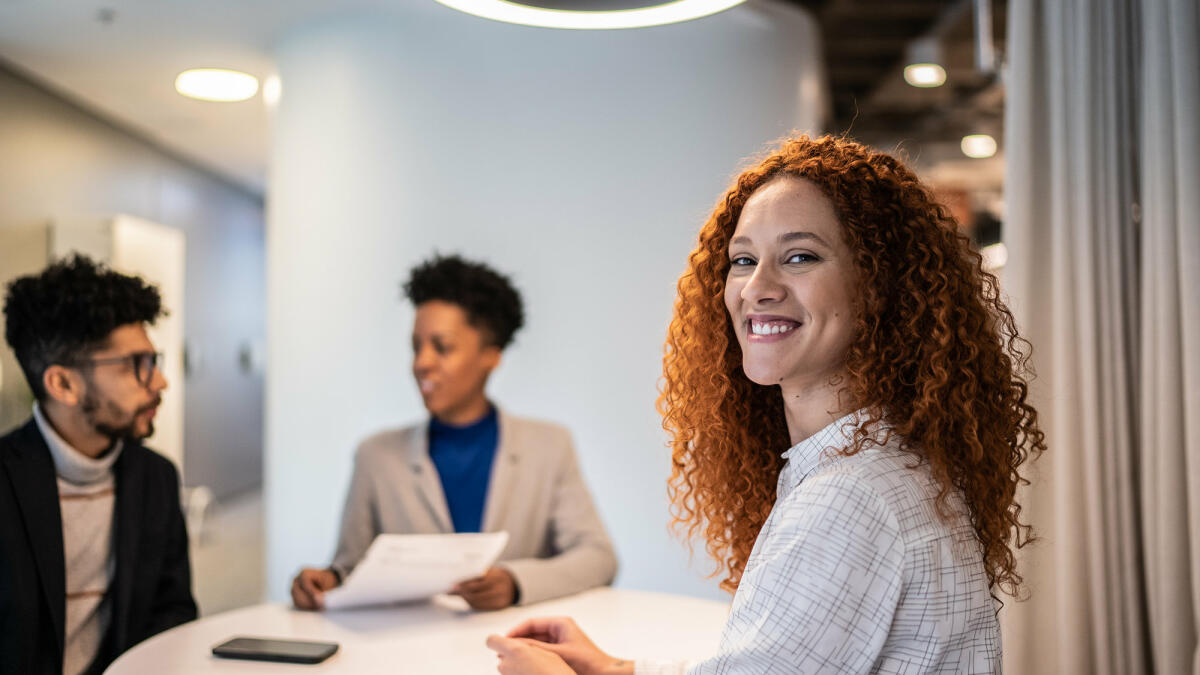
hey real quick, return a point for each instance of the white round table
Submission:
(442, 636)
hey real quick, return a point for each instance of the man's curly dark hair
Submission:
(66, 312)
(491, 303)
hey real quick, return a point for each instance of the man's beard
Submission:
(125, 432)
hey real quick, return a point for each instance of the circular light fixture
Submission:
(924, 75)
(596, 19)
(978, 146)
(216, 84)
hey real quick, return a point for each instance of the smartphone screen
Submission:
(266, 649)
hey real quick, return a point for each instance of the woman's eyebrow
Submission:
(785, 237)
(793, 236)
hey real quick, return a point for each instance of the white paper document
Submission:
(405, 567)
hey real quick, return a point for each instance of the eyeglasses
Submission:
(143, 364)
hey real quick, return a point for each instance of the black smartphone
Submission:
(267, 649)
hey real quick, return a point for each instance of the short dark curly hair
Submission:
(488, 297)
(66, 312)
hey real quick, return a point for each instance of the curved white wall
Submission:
(582, 163)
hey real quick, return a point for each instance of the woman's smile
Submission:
(769, 328)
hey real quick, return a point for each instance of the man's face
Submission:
(115, 403)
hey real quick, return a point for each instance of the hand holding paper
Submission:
(496, 589)
(403, 567)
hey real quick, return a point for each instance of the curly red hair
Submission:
(936, 356)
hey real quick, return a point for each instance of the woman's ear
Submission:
(63, 384)
(492, 355)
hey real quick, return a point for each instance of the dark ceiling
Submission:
(865, 45)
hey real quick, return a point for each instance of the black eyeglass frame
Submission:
(143, 363)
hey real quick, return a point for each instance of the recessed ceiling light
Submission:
(547, 17)
(978, 146)
(216, 84)
(925, 75)
(272, 89)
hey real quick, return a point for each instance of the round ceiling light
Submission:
(599, 15)
(925, 75)
(216, 84)
(978, 146)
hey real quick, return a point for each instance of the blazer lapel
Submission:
(129, 504)
(505, 471)
(429, 484)
(34, 482)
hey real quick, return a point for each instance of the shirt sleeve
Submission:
(583, 554)
(653, 667)
(173, 603)
(359, 527)
(821, 589)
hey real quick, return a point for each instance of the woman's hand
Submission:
(559, 635)
(309, 586)
(526, 657)
(496, 589)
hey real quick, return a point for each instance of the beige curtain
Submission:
(1170, 338)
(1104, 276)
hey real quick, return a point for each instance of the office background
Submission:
(583, 163)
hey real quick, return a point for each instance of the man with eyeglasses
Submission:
(93, 549)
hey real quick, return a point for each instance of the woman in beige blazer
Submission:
(471, 466)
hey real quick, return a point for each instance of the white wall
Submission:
(65, 164)
(582, 163)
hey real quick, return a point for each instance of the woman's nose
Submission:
(763, 286)
(423, 359)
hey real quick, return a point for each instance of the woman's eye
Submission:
(741, 261)
(797, 258)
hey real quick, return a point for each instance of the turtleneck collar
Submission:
(70, 464)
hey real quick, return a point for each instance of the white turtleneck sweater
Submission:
(86, 499)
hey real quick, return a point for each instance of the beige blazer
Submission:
(557, 544)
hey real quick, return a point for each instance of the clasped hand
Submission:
(553, 646)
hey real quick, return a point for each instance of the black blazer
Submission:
(152, 586)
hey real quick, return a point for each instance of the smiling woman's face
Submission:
(451, 362)
(790, 290)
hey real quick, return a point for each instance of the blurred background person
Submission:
(471, 467)
(93, 547)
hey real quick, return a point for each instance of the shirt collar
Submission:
(490, 420)
(805, 457)
(70, 464)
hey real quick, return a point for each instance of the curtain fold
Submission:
(1170, 411)
(1102, 204)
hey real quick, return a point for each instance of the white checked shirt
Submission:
(855, 572)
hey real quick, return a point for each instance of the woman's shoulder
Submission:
(535, 429)
(388, 442)
(904, 483)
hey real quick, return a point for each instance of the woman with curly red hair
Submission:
(846, 392)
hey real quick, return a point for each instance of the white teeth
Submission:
(762, 328)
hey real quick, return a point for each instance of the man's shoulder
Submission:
(18, 435)
(23, 443)
(154, 461)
